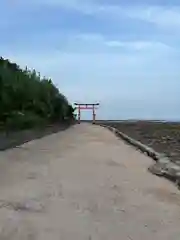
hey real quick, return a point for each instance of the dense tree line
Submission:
(27, 100)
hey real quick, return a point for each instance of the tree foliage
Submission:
(27, 100)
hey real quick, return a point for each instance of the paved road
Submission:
(84, 184)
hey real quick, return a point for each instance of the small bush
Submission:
(18, 120)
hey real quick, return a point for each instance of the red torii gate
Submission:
(86, 106)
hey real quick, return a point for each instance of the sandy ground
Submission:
(84, 184)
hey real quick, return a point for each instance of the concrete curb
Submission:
(163, 166)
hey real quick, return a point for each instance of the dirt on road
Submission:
(84, 184)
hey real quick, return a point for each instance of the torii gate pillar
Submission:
(94, 115)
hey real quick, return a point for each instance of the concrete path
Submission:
(84, 184)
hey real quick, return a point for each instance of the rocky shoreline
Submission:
(158, 140)
(163, 137)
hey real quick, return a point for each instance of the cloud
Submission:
(139, 45)
(161, 16)
(80, 5)
(159, 12)
(156, 12)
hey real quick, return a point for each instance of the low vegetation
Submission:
(27, 100)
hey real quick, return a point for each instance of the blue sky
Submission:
(123, 54)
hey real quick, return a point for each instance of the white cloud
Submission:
(75, 4)
(139, 45)
(161, 16)
(98, 41)
(115, 44)
(87, 54)
(158, 15)
(90, 37)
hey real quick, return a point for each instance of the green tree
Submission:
(27, 100)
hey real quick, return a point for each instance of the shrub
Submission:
(27, 100)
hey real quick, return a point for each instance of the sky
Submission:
(124, 54)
